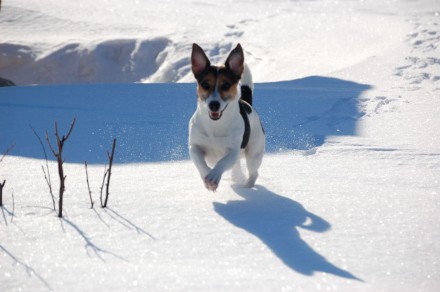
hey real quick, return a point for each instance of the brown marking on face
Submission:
(206, 85)
(219, 78)
(226, 86)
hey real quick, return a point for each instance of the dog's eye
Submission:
(225, 86)
(205, 85)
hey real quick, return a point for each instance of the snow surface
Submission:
(348, 194)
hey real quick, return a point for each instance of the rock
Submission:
(6, 82)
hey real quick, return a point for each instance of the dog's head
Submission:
(217, 86)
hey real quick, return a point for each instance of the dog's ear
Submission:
(199, 61)
(235, 61)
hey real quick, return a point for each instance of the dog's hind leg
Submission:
(251, 180)
(253, 162)
(237, 173)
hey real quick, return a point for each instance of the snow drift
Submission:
(150, 121)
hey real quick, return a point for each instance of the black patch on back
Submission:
(246, 106)
(246, 94)
(245, 109)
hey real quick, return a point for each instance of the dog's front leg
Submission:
(213, 178)
(198, 157)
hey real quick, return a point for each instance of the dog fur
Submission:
(224, 125)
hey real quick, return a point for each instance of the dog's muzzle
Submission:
(214, 110)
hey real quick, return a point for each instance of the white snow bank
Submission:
(114, 61)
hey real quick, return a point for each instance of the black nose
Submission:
(214, 106)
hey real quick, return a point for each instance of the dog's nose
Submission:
(214, 106)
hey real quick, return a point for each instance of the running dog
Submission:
(224, 125)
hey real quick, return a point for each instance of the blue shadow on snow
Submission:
(274, 219)
(150, 121)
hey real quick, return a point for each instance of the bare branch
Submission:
(49, 185)
(58, 156)
(46, 177)
(107, 187)
(7, 151)
(39, 139)
(88, 185)
(103, 182)
(1, 192)
(57, 136)
(70, 130)
(50, 145)
(3, 184)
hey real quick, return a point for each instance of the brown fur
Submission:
(217, 77)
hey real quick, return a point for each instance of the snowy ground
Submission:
(348, 194)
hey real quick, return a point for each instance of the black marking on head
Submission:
(229, 74)
(205, 72)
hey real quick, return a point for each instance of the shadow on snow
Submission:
(150, 121)
(274, 219)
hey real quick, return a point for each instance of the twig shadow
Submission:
(126, 222)
(89, 244)
(274, 219)
(100, 218)
(4, 212)
(29, 270)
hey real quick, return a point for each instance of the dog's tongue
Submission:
(215, 115)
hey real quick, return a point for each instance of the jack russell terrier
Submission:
(224, 125)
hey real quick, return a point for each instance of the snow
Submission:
(348, 193)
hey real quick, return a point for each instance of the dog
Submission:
(224, 126)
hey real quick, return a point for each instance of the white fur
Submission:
(214, 146)
(246, 77)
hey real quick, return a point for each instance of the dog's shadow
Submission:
(274, 219)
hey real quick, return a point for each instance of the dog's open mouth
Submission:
(217, 115)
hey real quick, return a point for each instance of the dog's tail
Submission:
(247, 85)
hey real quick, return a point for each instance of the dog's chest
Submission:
(216, 140)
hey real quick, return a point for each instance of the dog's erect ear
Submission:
(199, 61)
(235, 61)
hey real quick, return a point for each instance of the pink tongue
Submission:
(215, 115)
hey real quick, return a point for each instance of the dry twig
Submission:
(107, 174)
(59, 156)
(1, 192)
(88, 185)
(7, 151)
(46, 172)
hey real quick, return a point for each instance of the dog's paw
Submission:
(211, 186)
(251, 181)
(212, 180)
